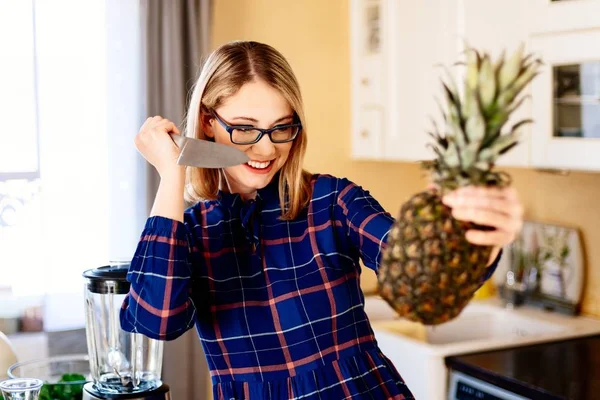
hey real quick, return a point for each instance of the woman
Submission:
(266, 261)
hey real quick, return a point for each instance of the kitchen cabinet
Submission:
(556, 16)
(566, 101)
(395, 46)
(494, 29)
(565, 133)
(368, 58)
(396, 78)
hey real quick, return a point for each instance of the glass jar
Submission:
(120, 361)
(21, 389)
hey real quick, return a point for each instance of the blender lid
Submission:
(110, 278)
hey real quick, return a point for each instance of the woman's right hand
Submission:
(156, 146)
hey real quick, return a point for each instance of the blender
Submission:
(123, 365)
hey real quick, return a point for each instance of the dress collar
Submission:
(267, 195)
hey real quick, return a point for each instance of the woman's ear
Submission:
(207, 122)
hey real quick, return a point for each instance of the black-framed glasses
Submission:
(248, 134)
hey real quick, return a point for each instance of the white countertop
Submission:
(483, 325)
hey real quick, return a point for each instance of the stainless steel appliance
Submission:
(465, 387)
(123, 365)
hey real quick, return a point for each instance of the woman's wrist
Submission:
(175, 173)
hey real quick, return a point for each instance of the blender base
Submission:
(160, 393)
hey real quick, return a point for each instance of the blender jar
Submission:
(120, 361)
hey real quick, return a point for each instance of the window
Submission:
(72, 186)
(20, 200)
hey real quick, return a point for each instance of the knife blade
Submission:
(206, 154)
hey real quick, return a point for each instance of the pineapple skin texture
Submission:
(429, 271)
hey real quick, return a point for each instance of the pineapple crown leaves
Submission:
(472, 137)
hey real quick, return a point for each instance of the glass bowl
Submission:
(63, 376)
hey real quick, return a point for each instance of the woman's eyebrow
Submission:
(290, 116)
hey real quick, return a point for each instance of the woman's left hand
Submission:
(497, 208)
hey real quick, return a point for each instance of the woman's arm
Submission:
(169, 202)
(159, 303)
(369, 225)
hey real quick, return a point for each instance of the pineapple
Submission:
(429, 271)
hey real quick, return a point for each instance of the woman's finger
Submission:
(489, 238)
(497, 204)
(484, 217)
(507, 193)
(168, 126)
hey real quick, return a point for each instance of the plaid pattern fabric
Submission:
(277, 304)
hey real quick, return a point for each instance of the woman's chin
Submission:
(250, 178)
(257, 182)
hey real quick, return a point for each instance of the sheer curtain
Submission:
(175, 38)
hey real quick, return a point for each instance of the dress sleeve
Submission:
(159, 303)
(368, 224)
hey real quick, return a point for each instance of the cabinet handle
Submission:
(365, 81)
(364, 134)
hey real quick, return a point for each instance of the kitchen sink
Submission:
(418, 351)
(476, 326)
(477, 322)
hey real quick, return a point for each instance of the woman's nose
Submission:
(264, 147)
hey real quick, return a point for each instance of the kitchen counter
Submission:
(568, 369)
(419, 352)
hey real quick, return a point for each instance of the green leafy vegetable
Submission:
(52, 391)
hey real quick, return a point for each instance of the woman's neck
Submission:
(248, 196)
(230, 186)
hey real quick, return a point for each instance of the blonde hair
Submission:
(225, 71)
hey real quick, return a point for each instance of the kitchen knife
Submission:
(206, 154)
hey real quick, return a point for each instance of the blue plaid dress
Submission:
(277, 304)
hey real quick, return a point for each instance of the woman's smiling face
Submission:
(258, 105)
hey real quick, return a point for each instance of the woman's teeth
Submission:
(259, 165)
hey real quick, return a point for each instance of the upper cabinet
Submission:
(396, 46)
(493, 30)
(566, 96)
(369, 60)
(555, 16)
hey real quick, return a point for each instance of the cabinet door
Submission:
(553, 16)
(368, 140)
(494, 29)
(566, 101)
(427, 34)
(395, 46)
(424, 36)
(368, 56)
